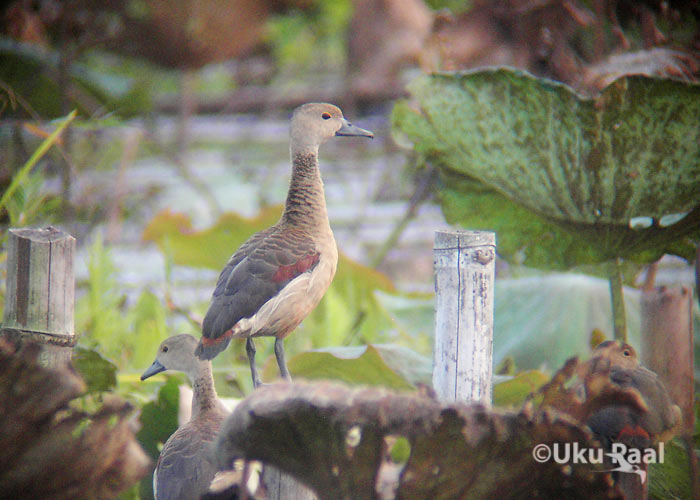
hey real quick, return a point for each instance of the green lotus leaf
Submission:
(99, 373)
(360, 365)
(210, 247)
(672, 477)
(514, 391)
(617, 175)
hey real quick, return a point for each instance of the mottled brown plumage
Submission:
(277, 277)
(634, 410)
(186, 465)
(655, 420)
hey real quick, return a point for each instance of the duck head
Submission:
(175, 353)
(314, 123)
(618, 354)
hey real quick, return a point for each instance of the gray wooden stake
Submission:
(464, 286)
(281, 486)
(667, 345)
(40, 287)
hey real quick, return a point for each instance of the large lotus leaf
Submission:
(541, 321)
(362, 365)
(672, 477)
(396, 367)
(523, 237)
(404, 363)
(99, 374)
(409, 318)
(513, 392)
(211, 247)
(593, 166)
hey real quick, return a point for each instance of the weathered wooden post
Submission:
(40, 288)
(667, 349)
(464, 290)
(281, 486)
(667, 344)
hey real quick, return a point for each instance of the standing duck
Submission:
(277, 277)
(186, 464)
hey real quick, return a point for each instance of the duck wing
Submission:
(186, 465)
(256, 273)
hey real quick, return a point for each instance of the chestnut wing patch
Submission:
(291, 271)
(248, 281)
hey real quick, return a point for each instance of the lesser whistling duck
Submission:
(277, 277)
(619, 364)
(186, 463)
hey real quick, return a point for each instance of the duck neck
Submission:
(204, 394)
(306, 201)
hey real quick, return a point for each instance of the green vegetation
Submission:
(312, 40)
(567, 183)
(22, 198)
(349, 314)
(564, 179)
(128, 335)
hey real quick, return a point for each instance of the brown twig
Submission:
(650, 278)
(114, 211)
(193, 318)
(420, 194)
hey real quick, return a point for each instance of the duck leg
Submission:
(279, 354)
(250, 351)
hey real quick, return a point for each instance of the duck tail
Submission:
(209, 348)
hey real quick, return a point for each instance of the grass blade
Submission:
(36, 156)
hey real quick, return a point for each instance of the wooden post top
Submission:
(44, 235)
(445, 240)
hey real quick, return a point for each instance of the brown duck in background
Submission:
(656, 419)
(277, 277)
(186, 465)
(633, 408)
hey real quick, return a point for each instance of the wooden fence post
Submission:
(667, 344)
(281, 486)
(464, 290)
(40, 288)
(667, 349)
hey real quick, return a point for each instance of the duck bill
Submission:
(347, 129)
(156, 367)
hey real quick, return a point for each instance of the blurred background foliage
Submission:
(179, 152)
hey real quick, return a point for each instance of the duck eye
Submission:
(165, 348)
(626, 352)
(326, 116)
